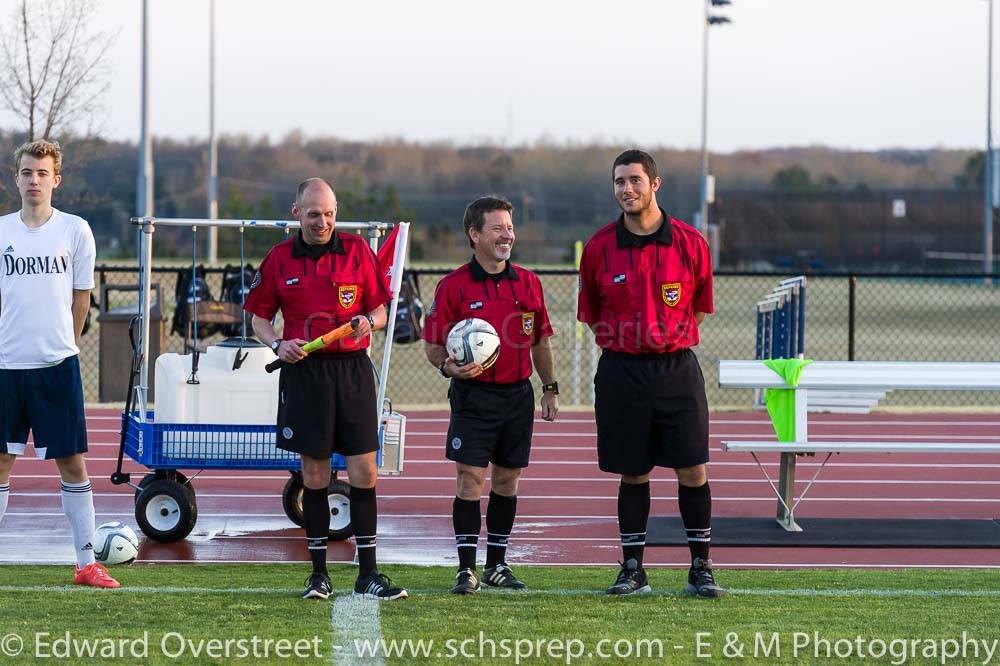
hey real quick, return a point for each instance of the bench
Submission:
(850, 376)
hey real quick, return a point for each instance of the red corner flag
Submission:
(387, 252)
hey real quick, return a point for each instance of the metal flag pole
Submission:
(398, 262)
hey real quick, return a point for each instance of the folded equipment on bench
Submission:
(850, 376)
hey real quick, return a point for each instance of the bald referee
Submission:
(320, 280)
(645, 287)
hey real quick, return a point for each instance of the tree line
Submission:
(561, 192)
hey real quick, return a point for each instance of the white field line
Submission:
(717, 420)
(447, 540)
(586, 498)
(735, 436)
(752, 436)
(364, 609)
(647, 565)
(593, 462)
(874, 421)
(354, 620)
(50, 514)
(679, 564)
(800, 464)
(742, 437)
(148, 590)
(550, 479)
(398, 516)
(526, 533)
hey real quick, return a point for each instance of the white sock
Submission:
(4, 494)
(78, 505)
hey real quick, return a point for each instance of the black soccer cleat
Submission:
(701, 580)
(378, 586)
(631, 580)
(502, 577)
(466, 582)
(318, 587)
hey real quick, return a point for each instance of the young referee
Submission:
(320, 280)
(46, 274)
(645, 286)
(492, 409)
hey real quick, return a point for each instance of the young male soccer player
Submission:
(46, 274)
(645, 286)
(492, 410)
(320, 280)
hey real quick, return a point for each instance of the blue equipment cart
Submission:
(166, 508)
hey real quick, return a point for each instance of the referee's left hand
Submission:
(550, 405)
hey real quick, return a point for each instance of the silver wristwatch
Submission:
(275, 345)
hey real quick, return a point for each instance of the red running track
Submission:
(566, 506)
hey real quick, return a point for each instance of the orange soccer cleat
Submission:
(94, 575)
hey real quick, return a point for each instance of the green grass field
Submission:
(185, 614)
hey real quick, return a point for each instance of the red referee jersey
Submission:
(315, 295)
(642, 292)
(511, 301)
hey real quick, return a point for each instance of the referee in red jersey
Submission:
(320, 280)
(645, 286)
(493, 409)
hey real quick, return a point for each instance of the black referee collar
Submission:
(302, 249)
(664, 235)
(479, 273)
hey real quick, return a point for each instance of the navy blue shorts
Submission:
(48, 402)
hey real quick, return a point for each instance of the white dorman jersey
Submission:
(39, 269)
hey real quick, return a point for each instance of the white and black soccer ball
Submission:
(473, 341)
(115, 543)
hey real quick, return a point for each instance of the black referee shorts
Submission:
(326, 405)
(651, 411)
(490, 423)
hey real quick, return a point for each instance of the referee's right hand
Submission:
(290, 351)
(467, 371)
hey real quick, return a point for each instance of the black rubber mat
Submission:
(836, 532)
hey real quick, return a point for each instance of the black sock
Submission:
(696, 513)
(500, 514)
(633, 514)
(466, 518)
(364, 522)
(316, 516)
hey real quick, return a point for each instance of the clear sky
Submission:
(847, 73)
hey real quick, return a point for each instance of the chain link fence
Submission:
(898, 317)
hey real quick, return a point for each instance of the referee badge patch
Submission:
(347, 294)
(671, 292)
(528, 322)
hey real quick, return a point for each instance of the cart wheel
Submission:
(338, 494)
(166, 511)
(291, 499)
(339, 497)
(164, 474)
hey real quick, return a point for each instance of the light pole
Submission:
(988, 166)
(144, 182)
(701, 221)
(213, 154)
